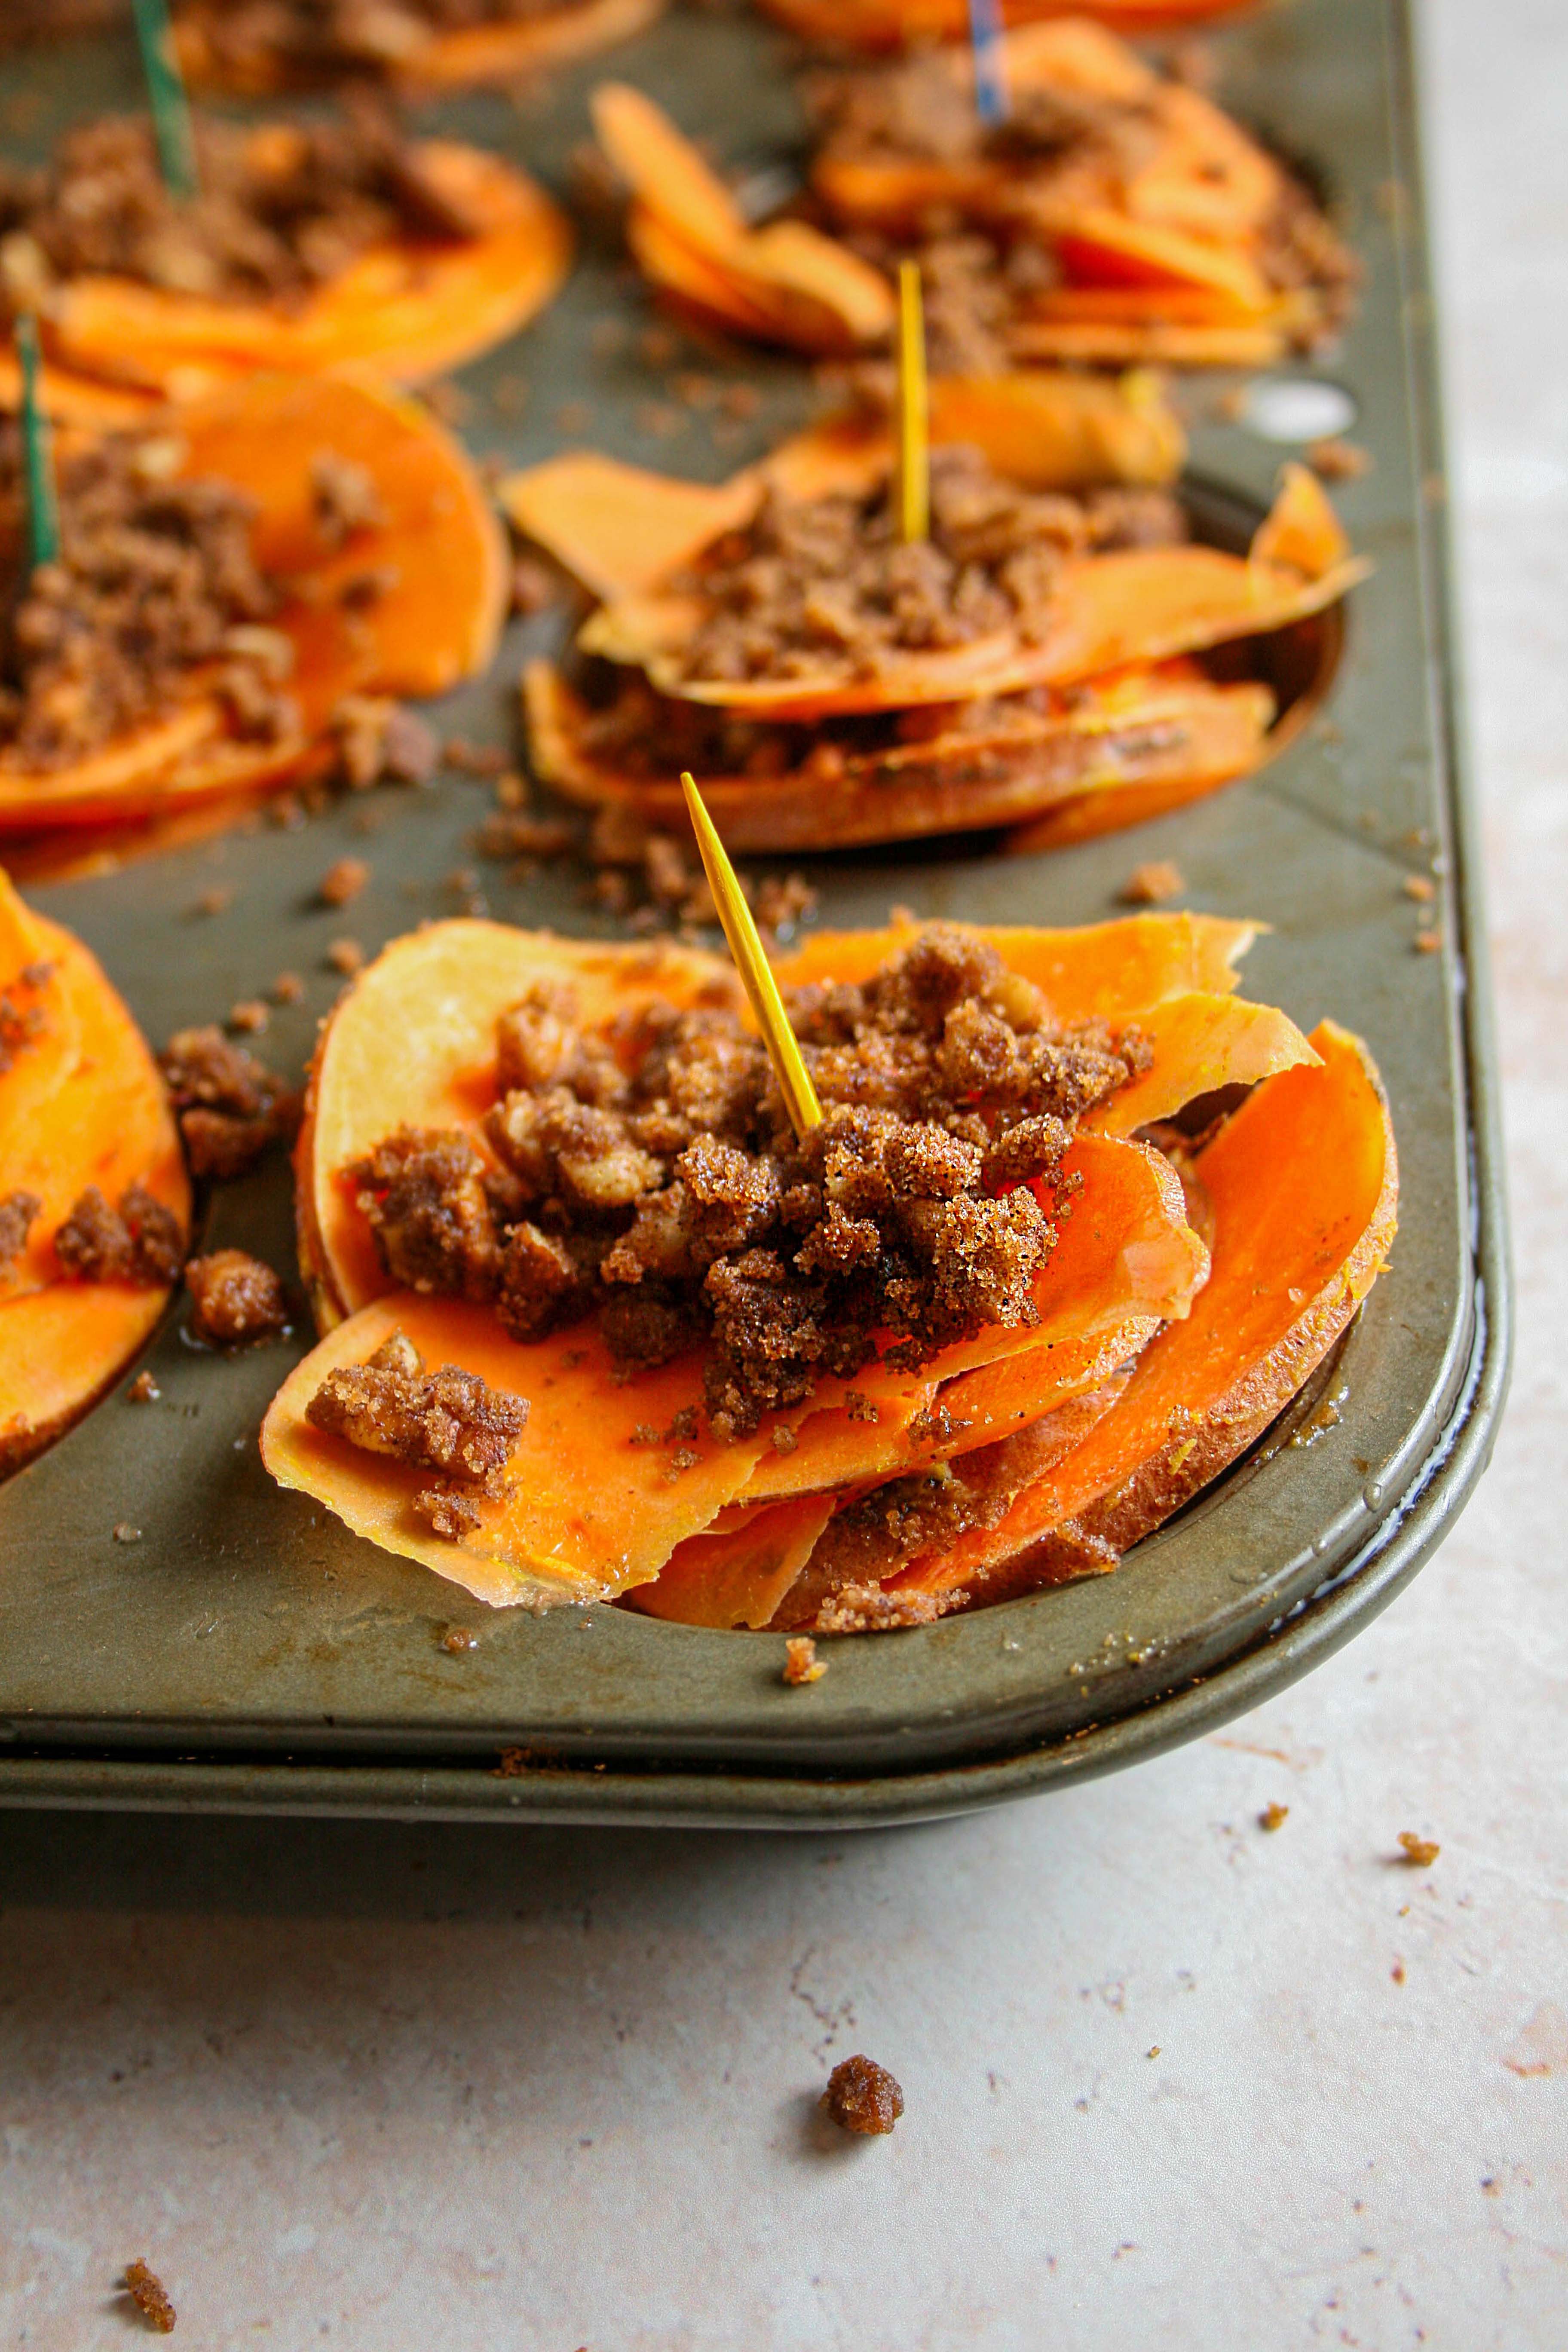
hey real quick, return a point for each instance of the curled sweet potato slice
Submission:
(882, 25)
(1087, 972)
(82, 1105)
(1303, 1185)
(465, 58)
(738, 1577)
(402, 312)
(438, 548)
(787, 282)
(1142, 734)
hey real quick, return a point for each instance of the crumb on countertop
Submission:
(151, 2296)
(862, 2096)
(1418, 1852)
(1273, 1817)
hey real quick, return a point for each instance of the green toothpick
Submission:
(171, 106)
(38, 450)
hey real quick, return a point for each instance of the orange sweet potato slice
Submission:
(72, 399)
(1201, 1043)
(404, 311)
(882, 25)
(103, 1118)
(437, 622)
(738, 1577)
(1303, 1184)
(1088, 972)
(787, 281)
(1148, 735)
(1301, 529)
(469, 58)
(590, 1512)
(622, 528)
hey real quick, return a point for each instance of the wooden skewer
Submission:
(914, 458)
(991, 100)
(38, 451)
(756, 974)
(172, 125)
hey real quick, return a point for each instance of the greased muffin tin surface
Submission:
(245, 1652)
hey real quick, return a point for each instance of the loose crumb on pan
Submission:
(234, 1298)
(342, 882)
(1429, 943)
(151, 2296)
(346, 956)
(143, 1390)
(1151, 884)
(1273, 1817)
(1339, 461)
(456, 1639)
(862, 2096)
(287, 989)
(1421, 887)
(231, 1106)
(802, 1663)
(250, 1015)
(1418, 1852)
(124, 1533)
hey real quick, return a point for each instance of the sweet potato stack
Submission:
(308, 249)
(1184, 1294)
(1084, 707)
(1116, 217)
(302, 546)
(94, 1199)
(257, 46)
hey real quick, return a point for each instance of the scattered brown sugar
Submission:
(287, 989)
(1273, 1817)
(344, 497)
(1421, 887)
(648, 1174)
(346, 956)
(341, 883)
(1150, 885)
(862, 2096)
(378, 740)
(451, 1421)
(155, 583)
(1339, 461)
(277, 215)
(150, 2296)
(216, 901)
(141, 1242)
(143, 1390)
(826, 586)
(250, 1015)
(1419, 1853)
(17, 1211)
(802, 1663)
(234, 1298)
(231, 1106)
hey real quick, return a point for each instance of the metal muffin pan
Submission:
(245, 1652)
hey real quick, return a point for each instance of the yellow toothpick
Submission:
(914, 463)
(784, 1052)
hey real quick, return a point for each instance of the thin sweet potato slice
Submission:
(1051, 430)
(738, 1577)
(788, 280)
(102, 1120)
(404, 312)
(466, 58)
(1119, 343)
(622, 528)
(42, 1039)
(1303, 1184)
(883, 25)
(1088, 972)
(1301, 529)
(591, 1510)
(72, 399)
(1191, 735)
(696, 285)
(1201, 1043)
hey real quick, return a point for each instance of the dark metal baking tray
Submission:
(247, 1653)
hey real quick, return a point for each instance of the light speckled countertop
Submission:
(1171, 2081)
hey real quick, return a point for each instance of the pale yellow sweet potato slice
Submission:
(738, 1577)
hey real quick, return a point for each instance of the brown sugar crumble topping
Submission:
(647, 1174)
(234, 1298)
(450, 1422)
(231, 1108)
(155, 580)
(17, 1211)
(311, 41)
(23, 1019)
(150, 2296)
(827, 585)
(141, 1242)
(862, 2096)
(280, 210)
